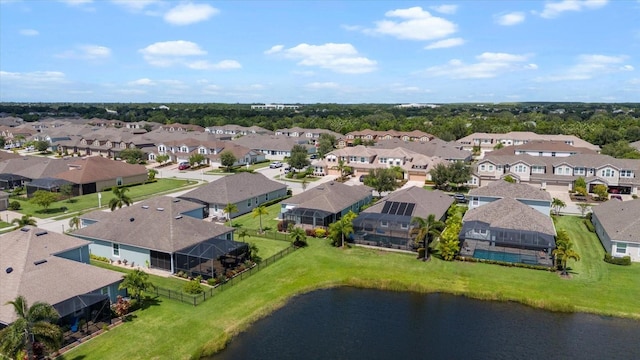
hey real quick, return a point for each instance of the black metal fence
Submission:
(197, 299)
(267, 234)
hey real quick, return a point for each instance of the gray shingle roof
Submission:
(504, 189)
(509, 213)
(52, 281)
(144, 225)
(331, 197)
(234, 188)
(427, 202)
(620, 219)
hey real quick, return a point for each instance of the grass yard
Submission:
(90, 201)
(266, 247)
(172, 283)
(269, 221)
(184, 331)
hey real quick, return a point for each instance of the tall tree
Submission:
(136, 282)
(132, 155)
(242, 234)
(196, 159)
(41, 145)
(381, 179)
(425, 230)
(258, 212)
(564, 250)
(341, 228)
(44, 198)
(120, 198)
(229, 209)
(298, 158)
(557, 205)
(24, 220)
(584, 208)
(162, 158)
(440, 176)
(326, 143)
(449, 244)
(67, 191)
(33, 324)
(74, 223)
(227, 159)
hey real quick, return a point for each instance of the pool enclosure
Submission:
(211, 258)
(479, 240)
(384, 230)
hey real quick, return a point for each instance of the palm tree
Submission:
(243, 233)
(74, 223)
(258, 212)
(564, 250)
(557, 205)
(33, 324)
(25, 220)
(304, 184)
(230, 208)
(299, 236)
(342, 227)
(425, 230)
(120, 198)
(136, 282)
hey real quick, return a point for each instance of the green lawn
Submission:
(185, 331)
(172, 283)
(266, 247)
(90, 201)
(270, 221)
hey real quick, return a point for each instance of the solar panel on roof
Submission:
(409, 210)
(401, 208)
(385, 208)
(394, 208)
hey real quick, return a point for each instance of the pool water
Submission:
(498, 256)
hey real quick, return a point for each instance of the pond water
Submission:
(348, 323)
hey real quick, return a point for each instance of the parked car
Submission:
(275, 165)
(287, 169)
(313, 156)
(183, 166)
(362, 178)
(460, 198)
(617, 197)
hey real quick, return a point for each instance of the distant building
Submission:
(414, 105)
(275, 107)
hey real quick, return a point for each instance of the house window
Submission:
(116, 249)
(608, 173)
(249, 203)
(266, 197)
(490, 167)
(404, 226)
(567, 171)
(621, 248)
(475, 201)
(520, 168)
(202, 151)
(482, 167)
(626, 173)
(383, 160)
(215, 207)
(184, 149)
(362, 160)
(384, 223)
(578, 171)
(119, 181)
(352, 158)
(162, 149)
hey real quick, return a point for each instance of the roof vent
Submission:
(25, 229)
(9, 270)
(178, 217)
(40, 233)
(160, 209)
(176, 200)
(39, 262)
(145, 206)
(131, 219)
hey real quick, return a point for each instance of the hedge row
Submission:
(504, 263)
(625, 260)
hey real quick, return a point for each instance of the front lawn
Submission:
(90, 201)
(188, 332)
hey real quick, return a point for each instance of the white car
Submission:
(275, 165)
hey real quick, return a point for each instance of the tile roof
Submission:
(52, 281)
(97, 168)
(509, 213)
(155, 224)
(620, 219)
(234, 189)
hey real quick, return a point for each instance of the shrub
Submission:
(421, 253)
(193, 287)
(634, 196)
(589, 225)
(321, 232)
(283, 225)
(625, 260)
(212, 281)
(99, 258)
(14, 205)
(310, 232)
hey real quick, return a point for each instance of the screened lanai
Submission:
(311, 217)
(211, 257)
(48, 184)
(385, 230)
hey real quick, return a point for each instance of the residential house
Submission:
(274, 147)
(246, 190)
(52, 268)
(389, 222)
(176, 127)
(485, 142)
(16, 171)
(275, 107)
(433, 148)
(617, 224)
(533, 197)
(94, 174)
(164, 233)
(238, 130)
(369, 136)
(311, 135)
(324, 204)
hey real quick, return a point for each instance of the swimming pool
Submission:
(498, 256)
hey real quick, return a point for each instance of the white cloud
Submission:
(340, 58)
(34, 77)
(590, 66)
(322, 85)
(76, 2)
(554, 9)
(445, 9)
(414, 24)
(446, 43)
(274, 49)
(189, 13)
(510, 19)
(221, 65)
(86, 52)
(489, 65)
(29, 32)
(167, 53)
(142, 82)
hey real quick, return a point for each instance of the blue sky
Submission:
(319, 51)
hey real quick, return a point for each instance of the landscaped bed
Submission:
(594, 287)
